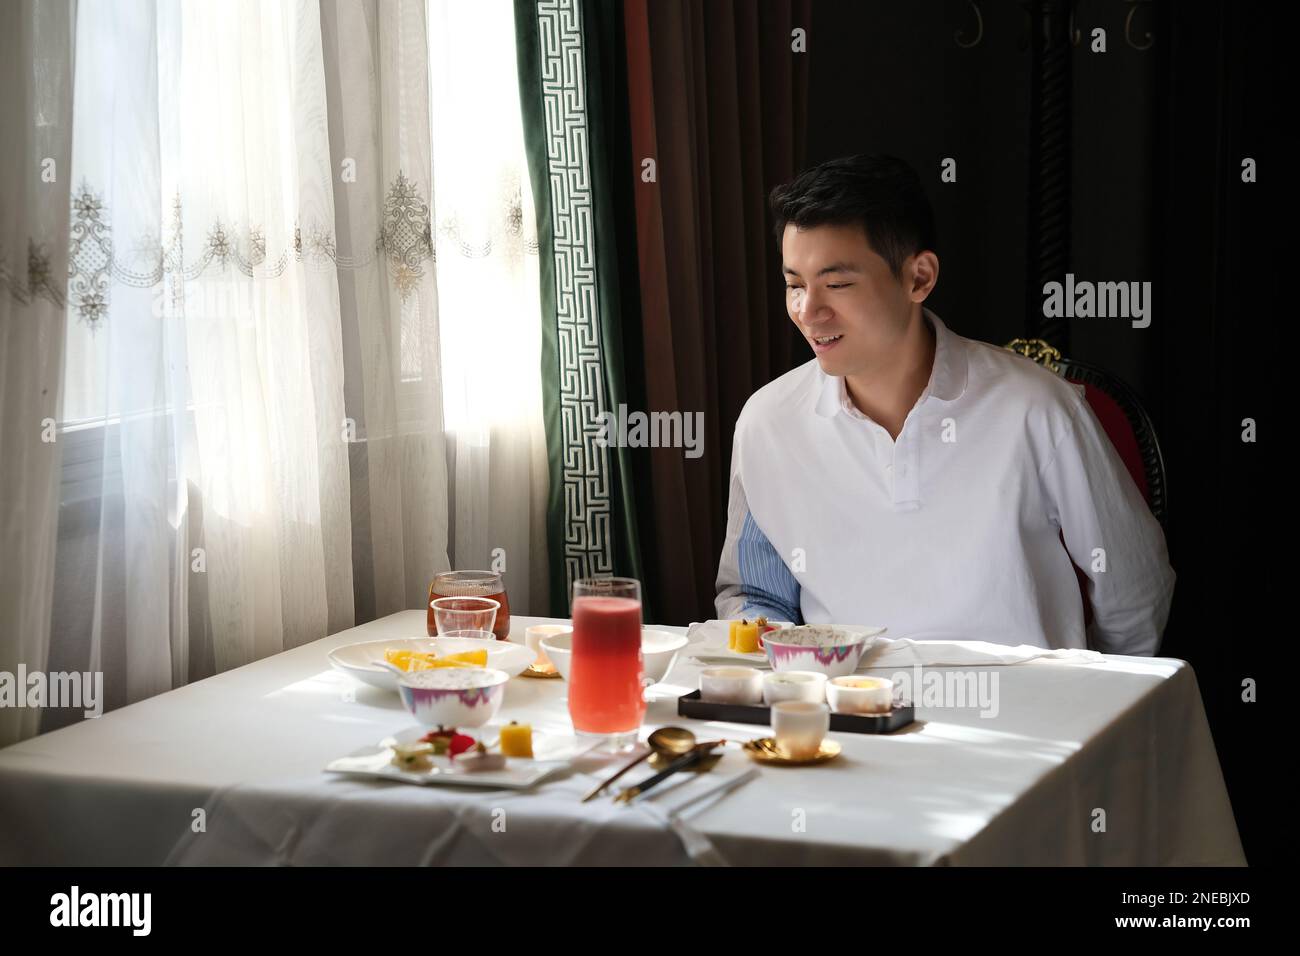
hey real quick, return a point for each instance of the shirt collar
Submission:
(947, 377)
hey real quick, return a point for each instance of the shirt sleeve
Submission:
(1112, 536)
(753, 579)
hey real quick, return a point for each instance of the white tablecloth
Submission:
(228, 770)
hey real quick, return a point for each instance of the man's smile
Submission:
(823, 343)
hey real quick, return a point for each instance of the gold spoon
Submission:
(670, 741)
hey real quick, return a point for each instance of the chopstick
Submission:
(626, 767)
(693, 756)
(681, 763)
(600, 788)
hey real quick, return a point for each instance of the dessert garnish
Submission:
(479, 759)
(447, 741)
(418, 756)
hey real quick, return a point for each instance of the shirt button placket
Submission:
(900, 477)
(885, 450)
(906, 489)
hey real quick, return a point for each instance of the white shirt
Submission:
(952, 532)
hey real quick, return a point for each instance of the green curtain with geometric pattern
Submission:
(568, 66)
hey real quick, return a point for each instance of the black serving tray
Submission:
(690, 705)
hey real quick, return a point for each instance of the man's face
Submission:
(836, 285)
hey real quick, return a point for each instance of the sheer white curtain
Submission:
(36, 120)
(488, 287)
(264, 375)
(204, 346)
(424, 110)
(376, 72)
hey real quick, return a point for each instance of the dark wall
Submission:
(1156, 139)
(895, 78)
(890, 78)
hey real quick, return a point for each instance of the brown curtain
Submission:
(717, 98)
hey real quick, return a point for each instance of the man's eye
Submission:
(841, 285)
(791, 288)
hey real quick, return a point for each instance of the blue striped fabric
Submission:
(768, 585)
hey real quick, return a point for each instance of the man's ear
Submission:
(922, 274)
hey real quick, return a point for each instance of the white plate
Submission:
(714, 644)
(551, 752)
(709, 642)
(358, 660)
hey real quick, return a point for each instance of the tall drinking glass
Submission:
(606, 670)
(480, 584)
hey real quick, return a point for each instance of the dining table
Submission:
(1105, 761)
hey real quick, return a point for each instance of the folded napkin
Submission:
(708, 643)
(907, 653)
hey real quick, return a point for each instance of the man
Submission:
(913, 478)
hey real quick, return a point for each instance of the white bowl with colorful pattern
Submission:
(833, 650)
(453, 696)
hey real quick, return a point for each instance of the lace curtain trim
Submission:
(405, 243)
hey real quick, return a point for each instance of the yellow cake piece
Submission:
(517, 740)
(747, 638)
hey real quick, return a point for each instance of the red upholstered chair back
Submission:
(1128, 427)
(1124, 420)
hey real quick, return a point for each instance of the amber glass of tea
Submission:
(484, 584)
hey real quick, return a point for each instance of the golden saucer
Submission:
(765, 750)
(532, 670)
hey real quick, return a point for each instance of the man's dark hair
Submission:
(883, 194)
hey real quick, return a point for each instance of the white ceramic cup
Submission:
(731, 685)
(858, 694)
(534, 635)
(794, 685)
(800, 726)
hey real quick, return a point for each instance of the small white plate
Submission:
(551, 752)
(709, 644)
(712, 645)
(358, 660)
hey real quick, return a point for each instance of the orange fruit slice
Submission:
(410, 660)
(477, 658)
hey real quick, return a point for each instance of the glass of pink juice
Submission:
(606, 670)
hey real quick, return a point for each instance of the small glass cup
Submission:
(454, 615)
(482, 584)
(471, 635)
